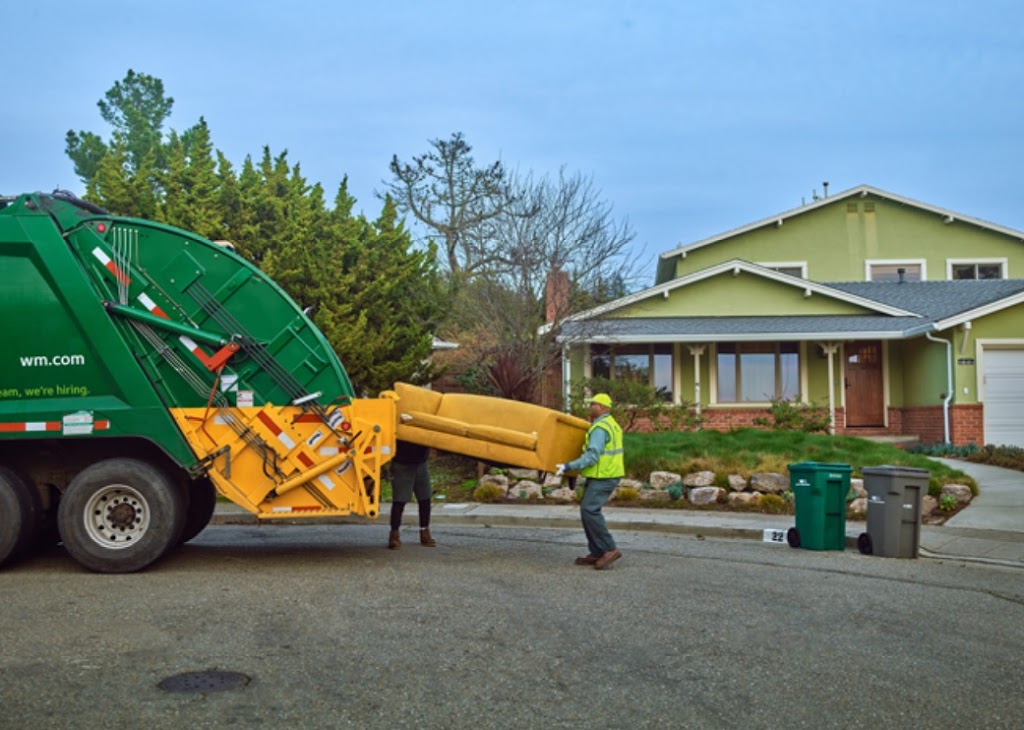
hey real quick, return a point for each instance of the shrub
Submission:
(675, 490)
(787, 415)
(773, 504)
(627, 494)
(947, 502)
(488, 492)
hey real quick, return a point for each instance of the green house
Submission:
(902, 318)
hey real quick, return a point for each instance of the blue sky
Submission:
(691, 117)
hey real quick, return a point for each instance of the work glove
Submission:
(559, 470)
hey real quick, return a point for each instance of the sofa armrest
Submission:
(560, 439)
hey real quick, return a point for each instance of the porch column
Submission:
(830, 349)
(696, 351)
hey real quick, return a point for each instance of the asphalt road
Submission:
(495, 628)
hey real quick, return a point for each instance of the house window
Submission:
(649, 364)
(793, 268)
(891, 272)
(758, 372)
(977, 270)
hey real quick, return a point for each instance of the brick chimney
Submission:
(556, 295)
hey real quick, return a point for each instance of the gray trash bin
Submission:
(895, 499)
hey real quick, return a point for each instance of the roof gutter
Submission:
(949, 379)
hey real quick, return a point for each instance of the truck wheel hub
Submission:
(117, 516)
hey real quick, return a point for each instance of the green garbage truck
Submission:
(144, 370)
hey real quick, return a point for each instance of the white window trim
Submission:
(1003, 263)
(802, 265)
(868, 263)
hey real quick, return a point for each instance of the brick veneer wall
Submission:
(967, 424)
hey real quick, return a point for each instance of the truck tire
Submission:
(20, 513)
(202, 500)
(120, 515)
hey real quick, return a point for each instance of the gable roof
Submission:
(665, 270)
(896, 311)
(736, 266)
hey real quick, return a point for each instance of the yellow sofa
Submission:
(495, 430)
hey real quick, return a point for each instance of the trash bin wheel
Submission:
(793, 537)
(864, 544)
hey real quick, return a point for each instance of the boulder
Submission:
(857, 485)
(737, 483)
(661, 479)
(517, 473)
(525, 490)
(705, 495)
(769, 482)
(743, 498)
(551, 481)
(961, 491)
(499, 480)
(858, 505)
(699, 479)
(631, 484)
(655, 495)
(563, 495)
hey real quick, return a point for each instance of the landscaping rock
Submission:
(769, 482)
(499, 480)
(744, 498)
(737, 483)
(525, 490)
(699, 479)
(858, 505)
(961, 491)
(563, 495)
(857, 485)
(655, 495)
(531, 474)
(551, 481)
(928, 504)
(705, 495)
(661, 479)
(630, 484)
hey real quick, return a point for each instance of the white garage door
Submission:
(1004, 397)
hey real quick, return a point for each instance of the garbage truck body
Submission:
(144, 370)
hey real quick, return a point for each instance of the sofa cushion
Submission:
(503, 436)
(414, 398)
(429, 421)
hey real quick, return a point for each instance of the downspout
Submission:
(565, 377)
(949, 380)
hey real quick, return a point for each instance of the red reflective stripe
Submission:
(306, 461)
(269, 423)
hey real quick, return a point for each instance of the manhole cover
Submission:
(204, 682)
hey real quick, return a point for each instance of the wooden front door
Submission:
(865, 405)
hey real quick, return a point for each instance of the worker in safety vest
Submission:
(603, 466)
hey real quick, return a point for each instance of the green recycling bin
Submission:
(820, 492)
(895, 499)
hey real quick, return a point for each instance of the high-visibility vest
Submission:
(611, 464)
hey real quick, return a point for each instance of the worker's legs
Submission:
(424, 491)
(595, 495)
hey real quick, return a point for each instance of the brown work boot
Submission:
(587, 560)
(607, 559)
(425, 539)
(394, 541)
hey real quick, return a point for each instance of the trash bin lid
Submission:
(819, 466)
(896, 471)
